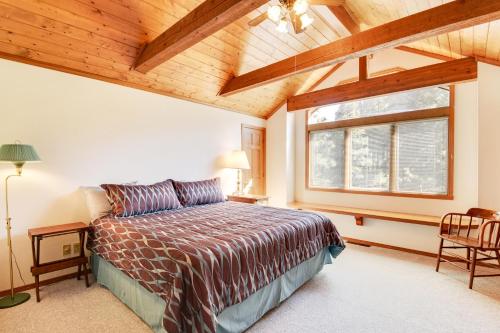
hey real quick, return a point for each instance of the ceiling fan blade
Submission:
(296, 23)
(258, 20)
(327, 2)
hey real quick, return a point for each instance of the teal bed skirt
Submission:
(236, 318)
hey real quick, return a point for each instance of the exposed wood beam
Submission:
(204, 20)
(311, 88)
(442, 73)
(435, 21)
(348, 22)
(363, 68)
(488, 61)
(424, 53)
(345, 18)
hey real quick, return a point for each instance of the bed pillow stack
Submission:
(200, 192)
(131, 200)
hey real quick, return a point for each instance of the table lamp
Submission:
(18, 154)
(237, 160)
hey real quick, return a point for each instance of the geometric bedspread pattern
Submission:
(203, 259)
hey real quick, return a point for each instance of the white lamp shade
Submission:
(237, 160)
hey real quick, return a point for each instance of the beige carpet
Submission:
(365, 290)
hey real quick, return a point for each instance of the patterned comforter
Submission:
(203, 259)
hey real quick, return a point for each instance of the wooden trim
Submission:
(383, 119)
(389, 247)
(431, 221)
(128, 84)
(442, 73)
(438, 20)
(365, 243)
(424, 53)
(42, 283)
(209, 17)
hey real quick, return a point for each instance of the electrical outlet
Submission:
(76, 248)
(66, 249)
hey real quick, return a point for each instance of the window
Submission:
(398, 144)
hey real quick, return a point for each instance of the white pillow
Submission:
(97, 202)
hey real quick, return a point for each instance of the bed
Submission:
(210, 268)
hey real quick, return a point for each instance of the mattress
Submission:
(201, 260)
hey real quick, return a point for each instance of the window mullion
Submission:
(393, 168)
(347, 158)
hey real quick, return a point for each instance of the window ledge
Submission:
(359, 214)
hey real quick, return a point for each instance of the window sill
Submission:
(389, 194)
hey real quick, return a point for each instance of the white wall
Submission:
(489, 137)
(88, 132)
(398, 234)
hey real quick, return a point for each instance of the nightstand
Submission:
(249, 198)
(37, 234)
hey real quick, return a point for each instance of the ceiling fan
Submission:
(293, 11)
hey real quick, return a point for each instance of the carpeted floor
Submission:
(365, 290)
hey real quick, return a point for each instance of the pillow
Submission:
(131, 200)
(97, 202)
(200, 192)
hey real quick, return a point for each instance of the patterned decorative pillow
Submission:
(200, 192)
(131, 200)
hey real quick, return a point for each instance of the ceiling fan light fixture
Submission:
(274, 13)
(306, 20)
(300, 6)
(282, 26)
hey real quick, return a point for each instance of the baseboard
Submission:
(42, 283)
(390, 247)
(365, 243)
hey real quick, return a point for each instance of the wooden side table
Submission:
(248, 198)
(37, 234)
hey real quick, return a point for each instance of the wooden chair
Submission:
(477, 231)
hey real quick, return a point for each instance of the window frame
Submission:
(424, 114)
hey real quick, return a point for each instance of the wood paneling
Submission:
(481, 40)
(445, 18)
(102, 39)
(442, 73)
(209, 17)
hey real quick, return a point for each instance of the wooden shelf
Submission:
(359, 214)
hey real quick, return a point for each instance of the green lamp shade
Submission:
(18, 153)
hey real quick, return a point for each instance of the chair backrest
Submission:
(486, 214)
(467, 225)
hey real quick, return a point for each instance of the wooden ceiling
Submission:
(482, 41)
(102, 39)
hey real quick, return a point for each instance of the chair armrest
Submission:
(489, 234)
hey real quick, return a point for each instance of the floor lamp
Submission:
(18, 154)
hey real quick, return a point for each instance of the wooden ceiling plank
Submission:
(203, 21)
(61, 15)
(442, 73)
(442, 19)
(57, 28)
(309, 89)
